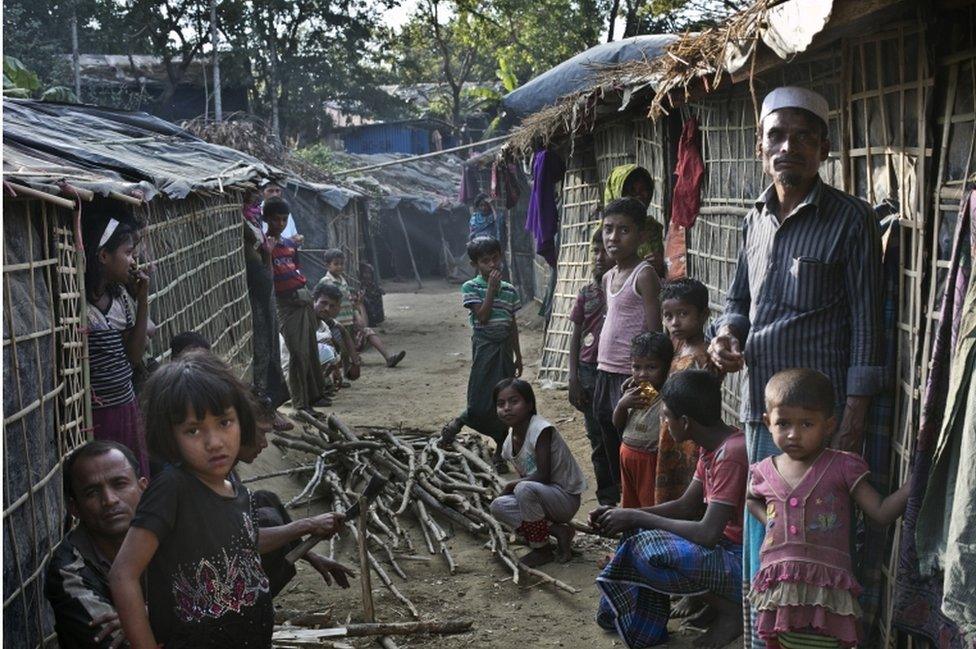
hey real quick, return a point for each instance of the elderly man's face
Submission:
(792, 146)
(106, 493)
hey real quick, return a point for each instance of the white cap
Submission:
(795, 97)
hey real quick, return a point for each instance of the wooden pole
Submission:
(406, 238)
(369, 614)
(215, 41)
(423, 156)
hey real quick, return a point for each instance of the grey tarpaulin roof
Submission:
(428, 185)
(579, 72)
(103, 150)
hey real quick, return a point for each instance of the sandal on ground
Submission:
(395, 359)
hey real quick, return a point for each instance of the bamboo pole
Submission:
(406, 239)
(369, 614)
(424, 156)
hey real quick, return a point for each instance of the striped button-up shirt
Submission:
(807, 293)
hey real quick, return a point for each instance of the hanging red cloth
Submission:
(690, 172)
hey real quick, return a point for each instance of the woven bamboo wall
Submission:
(45, 406)
(734, 178)
(199, 282)
(652, 151)
(581, 195)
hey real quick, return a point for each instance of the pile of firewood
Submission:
(442, 489)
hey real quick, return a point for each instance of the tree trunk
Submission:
(273, 81)
(215, 41)
(614, 10)
(75, 56)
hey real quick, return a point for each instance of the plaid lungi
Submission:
(650, 566)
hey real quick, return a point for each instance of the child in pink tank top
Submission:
(631, 289)
(805, 590)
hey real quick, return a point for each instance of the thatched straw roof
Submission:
(697, 62)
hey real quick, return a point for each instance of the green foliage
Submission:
(59, 93)
(506, 74)
(18, 81)
(321, 156)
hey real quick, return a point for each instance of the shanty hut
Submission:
(60, 163)
(898, 76)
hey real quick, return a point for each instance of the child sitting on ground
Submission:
(194, 529)
(495, 351)
(328, 304)
(116, 331)
(805, 592)
(631, 290)
(353, 314)
(587, 317)
(296, 317)
(546, 496)
(638, 418)
(269, 512)
(684, 310)
(692, 545)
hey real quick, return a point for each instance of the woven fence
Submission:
(199, 281)
(44, 401)
(581, 195)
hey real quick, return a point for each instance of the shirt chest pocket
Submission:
(811, 284)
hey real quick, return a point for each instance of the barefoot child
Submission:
(116, 331)
(638, 417)
(684, 310)
(805, 592)
(296, 318)
(495, 350)
(194, 529)
(692, 545)
(353, 313)
(546, 495)
(328, 304)
(587, 317)
(631, 289)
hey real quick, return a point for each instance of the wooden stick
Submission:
(22, 190)
(275, 474)
(406, 238)
(369, 614)
(285, 634)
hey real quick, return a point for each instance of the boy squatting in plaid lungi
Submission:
(688, 546)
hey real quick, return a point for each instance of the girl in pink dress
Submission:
(805, 590)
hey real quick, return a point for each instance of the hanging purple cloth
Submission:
(469, 185)
(542, 219)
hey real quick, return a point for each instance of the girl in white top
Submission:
(546, 495)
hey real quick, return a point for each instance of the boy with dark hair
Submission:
(187, 341)
(496, 354)
(631, 290)
(587, 316)
(296, 317)
(352, 315)
(638, 418)
(328, 304)
(692, 545)
(269, 511)
(684, 310)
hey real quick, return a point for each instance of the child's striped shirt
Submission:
(506, 302)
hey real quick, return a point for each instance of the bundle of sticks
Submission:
(443, 489)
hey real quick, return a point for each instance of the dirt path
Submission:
(424, 392)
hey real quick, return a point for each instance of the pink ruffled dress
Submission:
(805, 581)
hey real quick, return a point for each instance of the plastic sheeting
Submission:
(103, 150)
(579, 72)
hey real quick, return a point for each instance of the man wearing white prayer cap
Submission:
(807, 290)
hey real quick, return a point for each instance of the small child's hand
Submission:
(518, 367)
(577, 397)
(634, 398)
(299, 239)
(494, 280)
(109, 627)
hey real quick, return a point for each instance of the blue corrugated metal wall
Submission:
(387, 138)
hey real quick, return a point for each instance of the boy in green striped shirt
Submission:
(495, 350)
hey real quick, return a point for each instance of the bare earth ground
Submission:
(424, 392)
